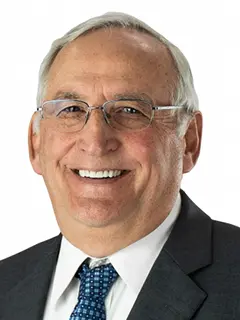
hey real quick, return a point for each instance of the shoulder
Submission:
(23, 263)
(226, 240)
(197, 224)
(196, 239)
(32, 252)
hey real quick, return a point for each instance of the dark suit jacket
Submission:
(196, 275)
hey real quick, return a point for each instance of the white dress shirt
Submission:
(132, 263)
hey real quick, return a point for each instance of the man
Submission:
(116, 128)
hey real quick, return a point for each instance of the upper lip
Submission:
(104, 169)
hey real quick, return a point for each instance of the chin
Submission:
(95, 213)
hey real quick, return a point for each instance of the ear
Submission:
(193, 138)
(34, 146)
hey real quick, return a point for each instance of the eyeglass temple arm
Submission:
(166, 107)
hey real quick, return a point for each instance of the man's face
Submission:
(97, 67)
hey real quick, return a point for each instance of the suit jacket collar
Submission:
(190, 243)
(168, 293)
(26, 300)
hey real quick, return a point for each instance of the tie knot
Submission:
(96, 282)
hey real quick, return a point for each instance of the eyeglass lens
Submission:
(71, 115)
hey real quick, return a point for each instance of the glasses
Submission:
(124, 115)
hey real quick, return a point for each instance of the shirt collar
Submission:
(134, 262)
(124, 261)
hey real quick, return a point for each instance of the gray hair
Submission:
(184, 94)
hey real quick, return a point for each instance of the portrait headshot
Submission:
(116, 127)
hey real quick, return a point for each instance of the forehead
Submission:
(113, 61)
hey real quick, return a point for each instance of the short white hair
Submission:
(184, 94)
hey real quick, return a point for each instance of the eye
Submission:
(72, 109)
(130, 110)
(127, 110)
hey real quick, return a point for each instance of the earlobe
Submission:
(188, 164)
(34, 146)
(193, 139)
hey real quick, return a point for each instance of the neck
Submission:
(102, 242)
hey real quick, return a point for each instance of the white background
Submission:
(208, 33)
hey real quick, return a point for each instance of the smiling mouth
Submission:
(106, 174)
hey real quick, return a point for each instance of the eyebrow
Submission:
(118, 96)
(133, 95)
(68, 95)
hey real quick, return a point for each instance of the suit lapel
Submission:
(169, 293)
(27, 299)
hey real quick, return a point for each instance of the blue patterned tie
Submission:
(94, 287)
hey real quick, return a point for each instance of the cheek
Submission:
(155, 149)
(53, 149)
(143, 147)
(54, 145)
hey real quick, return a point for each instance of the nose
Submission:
(96, 108)
(97, 137)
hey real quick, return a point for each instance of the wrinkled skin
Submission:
(102, 218)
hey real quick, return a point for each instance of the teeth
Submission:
(99, 174)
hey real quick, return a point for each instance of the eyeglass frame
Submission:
(102, 107)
